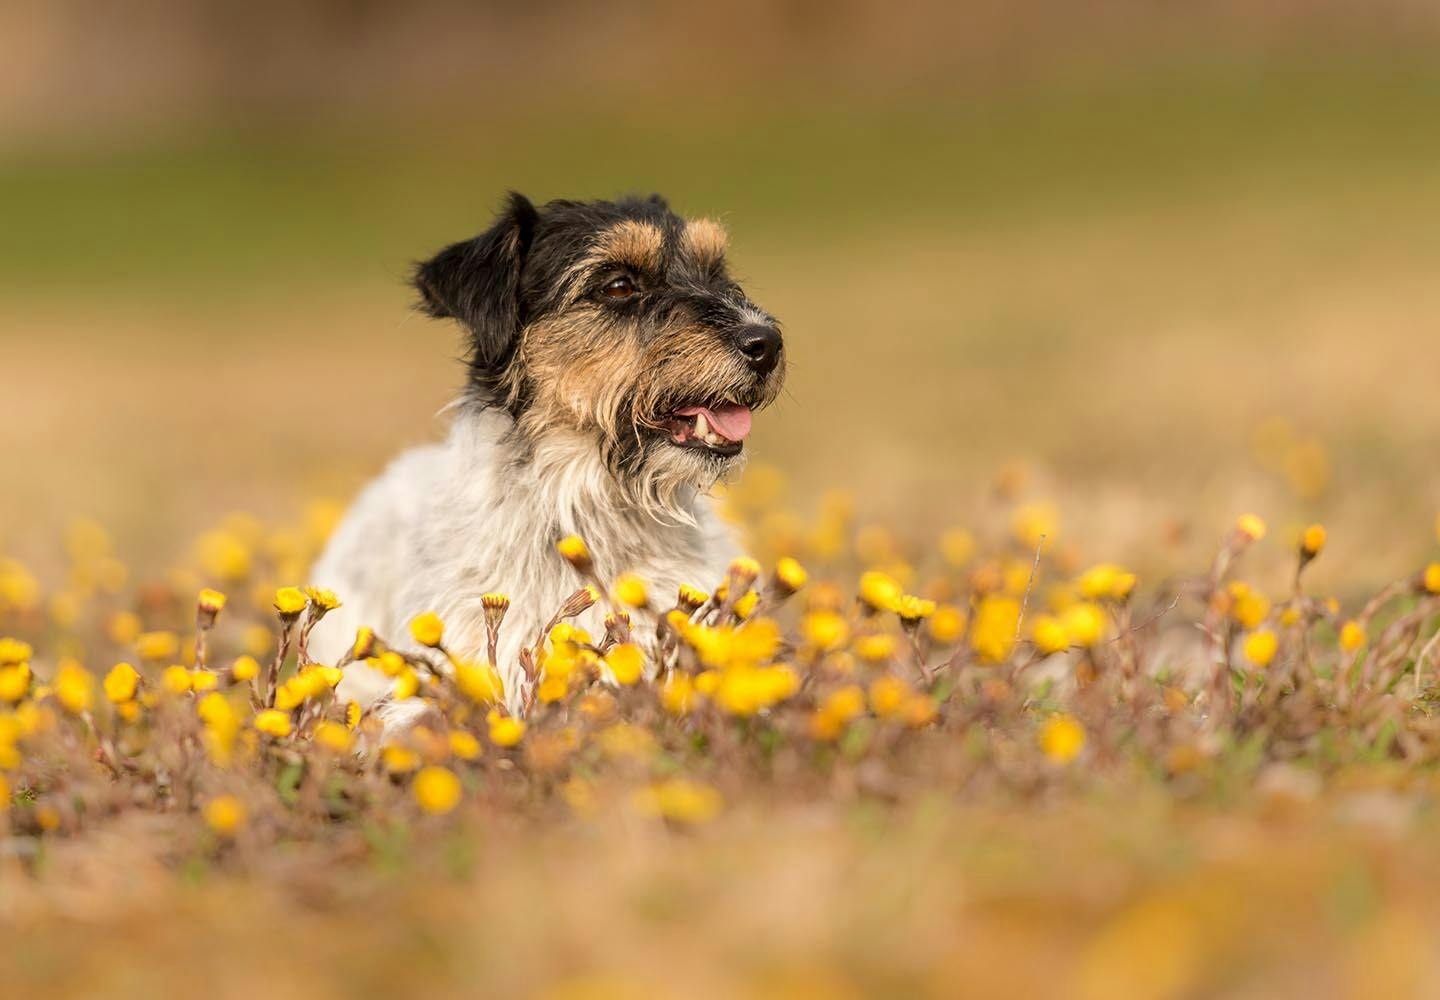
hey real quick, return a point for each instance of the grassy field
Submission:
(1155, 302)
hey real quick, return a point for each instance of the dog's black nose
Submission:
(761, 347)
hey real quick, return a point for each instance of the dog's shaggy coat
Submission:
(613, 369)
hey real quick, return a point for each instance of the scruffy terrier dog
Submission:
(613, 368)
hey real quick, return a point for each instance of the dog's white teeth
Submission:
(702, 427)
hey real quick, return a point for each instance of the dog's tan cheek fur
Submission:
(582, 369)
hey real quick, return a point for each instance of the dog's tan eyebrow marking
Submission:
(638, 244)
(704, 241)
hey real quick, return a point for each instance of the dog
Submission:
(613, 368)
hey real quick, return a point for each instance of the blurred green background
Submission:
(1179, 259)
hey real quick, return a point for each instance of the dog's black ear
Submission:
(478, 283)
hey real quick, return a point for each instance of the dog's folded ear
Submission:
(477, 282)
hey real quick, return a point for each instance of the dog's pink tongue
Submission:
(729, 420)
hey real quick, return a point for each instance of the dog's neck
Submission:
(564, 483)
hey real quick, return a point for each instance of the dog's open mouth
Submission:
(720, 429)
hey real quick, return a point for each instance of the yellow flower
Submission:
(992, 635)
(824, 630)
(437, 790)
(1248, 607)
(790, 576)
(825, 728)
(74, 687)
(176, 679)
(690, 598)
(1049, 635)
(880, 591)
(1250, 527)
(1312, 540)
(399, 759)
(480, 682)
(14, 682)
(844, 703)
(13, 651)
(918, 710)
(214, 710)
(1431, 578)
(210, 602)
(625, 662)
(406, 685)
(366, 643)
(245, 668)
(1260, 647)
(887, 696)
(464, 745)
(289, 602)
(576, 553)
(156, 645)
(1352, 636)
(334, 737)
(743, 690)
(121, 683)
(272, 722)
(504, 731)
(224, 814)
(1106, 581)
(630, 590)
(912, 609)
(323, 599)
(742, 572)
(875, 648)
(947, 624)
(1084, 624)
(428, 629)
(679, 800)
(1062, 738)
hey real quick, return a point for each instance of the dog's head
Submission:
(612, 322)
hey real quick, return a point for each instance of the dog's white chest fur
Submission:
(449, 522)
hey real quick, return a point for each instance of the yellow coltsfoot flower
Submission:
(289, 602)
(1061, 738)
(1352, 636)
(74, 687)
(880, 591)
(789, 576)
(1260, 647)
(630, 590)
(225, 814)
(626, 663)
(427, 629)
(1312, 540)
(1250, 527)
(575, 552)
(273, 722)
(504, 730)
(121, 683)
(436, 789)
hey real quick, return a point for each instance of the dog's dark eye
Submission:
(618, 288)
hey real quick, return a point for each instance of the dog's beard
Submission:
(662, 478)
